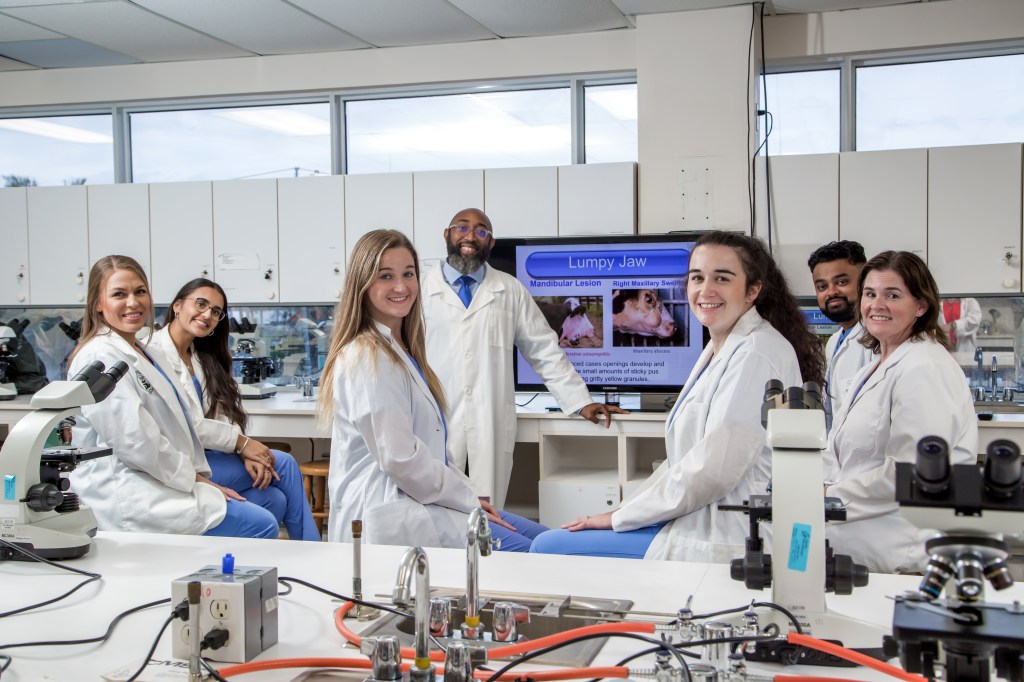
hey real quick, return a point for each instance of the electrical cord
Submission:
(358, 602)
(528, 401)
(213, 671)
(6, 663)
(90, 640)
(91, 578)
(767, 165)
(751, 180)
(756, 604)
(149, 654)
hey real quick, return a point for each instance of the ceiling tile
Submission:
(65, 52)
(634, 7)
(392, 23)
(127, 29)
(261, 26)
(515, 18)
(12, 65)
(13, 29)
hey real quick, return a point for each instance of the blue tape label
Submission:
(9, 487)
(799, 547)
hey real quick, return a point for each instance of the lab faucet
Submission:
(415, 560)
(995, 372)
(478, 542)
(979, 357)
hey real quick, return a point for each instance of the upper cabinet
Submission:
(883, 200)
(596, 199)
(974, 218)
(522, 202)
(245, 256)
(14, 275)
(804, 211)
(375, 201)
(181, 230)
(437, 196)
(311, 237)
(58, 245)
(119, 222)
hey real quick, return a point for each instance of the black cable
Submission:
(342, 597)
(667, 646)
(6, 663)
(756, 604)
(149, 654)
(92, 577)
(770, 123)
(528, 401)
(101, 638)
(751, 177)
(767, 165)
(213, 671)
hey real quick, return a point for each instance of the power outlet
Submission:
(243, 602)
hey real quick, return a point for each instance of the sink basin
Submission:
(549, 615)
(998, 406)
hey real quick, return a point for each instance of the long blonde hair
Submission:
(92, 319)
(353, 323)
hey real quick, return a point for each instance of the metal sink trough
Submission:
(549, 615)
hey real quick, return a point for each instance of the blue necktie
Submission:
(465, 293)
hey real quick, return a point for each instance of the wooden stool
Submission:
(314, 480)
(278, 445)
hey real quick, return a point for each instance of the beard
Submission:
(840, 315)
(467, 263)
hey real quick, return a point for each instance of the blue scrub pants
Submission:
(245, 520)
(631, 544)
(521, 538)
(284, 499)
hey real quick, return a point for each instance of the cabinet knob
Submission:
(268, 273)
(21, 275)
(21, 298)
(337, 294)
(337, 270)
(79, 297)
(80, 277)
(271, 295)
(206, 273)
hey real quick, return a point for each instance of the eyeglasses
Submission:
(202, 305)
(480, 232)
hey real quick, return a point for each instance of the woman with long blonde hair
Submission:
(385, 407)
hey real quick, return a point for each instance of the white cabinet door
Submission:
(883, 200)
(804, 211)
(119, 222)
(437, 196)
(522, 202)
(181, 232)
(58, 245)
(245, 255)
(597, 199)
(377, 201)
(974, 218)
(311, 238)
(14, 285)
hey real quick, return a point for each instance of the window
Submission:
(58, 150)
(941, 103)
(461, 131)
(284, 140)
(803, 112)
(610, 113)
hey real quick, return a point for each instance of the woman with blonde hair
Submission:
(157, 479)
(386, 410)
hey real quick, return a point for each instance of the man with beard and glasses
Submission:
(474, 315)
(836, 268)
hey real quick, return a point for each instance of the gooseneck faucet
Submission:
(979, 357)
(415, 561)
(995, 373)
(478, 542)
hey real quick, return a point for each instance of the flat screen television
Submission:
(618, 305)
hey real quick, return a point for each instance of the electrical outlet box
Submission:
(243, 602)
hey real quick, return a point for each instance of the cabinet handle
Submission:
(206, 273)
(21, 275)
(268, 273)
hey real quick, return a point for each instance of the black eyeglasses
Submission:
(202, 305)
(480, 232)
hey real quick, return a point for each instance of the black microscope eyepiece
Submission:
(1002, 468)
(931, 469)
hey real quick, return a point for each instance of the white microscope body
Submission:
(37, 510)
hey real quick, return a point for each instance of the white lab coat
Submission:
(149, 483)
(716, 449)
(966, 327)
(214, 433)
(470, 349)
(388, 455)
(843, 365)
(918, 391)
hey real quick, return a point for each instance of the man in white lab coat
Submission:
(474, 315)
(835, 268)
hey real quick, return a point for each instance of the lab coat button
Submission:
(469, 391)
(468, 355)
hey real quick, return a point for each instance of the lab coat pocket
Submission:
(688, 427)
(500, 332)
(400, 522)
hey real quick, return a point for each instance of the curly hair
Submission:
(841, 250)
(775, 302)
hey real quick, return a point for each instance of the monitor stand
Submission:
(656, 402)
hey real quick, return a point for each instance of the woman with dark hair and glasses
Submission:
(196, 342)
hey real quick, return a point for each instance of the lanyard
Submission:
(444, 422)
(181, 402)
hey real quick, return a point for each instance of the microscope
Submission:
(947, 624)
(39, 510)
(801, 567)
(7, 337)
(251, 371)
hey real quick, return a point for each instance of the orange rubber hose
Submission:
(854, 656)
(505, 651)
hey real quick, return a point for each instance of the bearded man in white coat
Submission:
(474, 316)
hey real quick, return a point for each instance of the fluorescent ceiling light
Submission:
(280, 121)
(34, 126)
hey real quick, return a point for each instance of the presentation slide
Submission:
(619, 309)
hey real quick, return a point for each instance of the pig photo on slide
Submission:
(650, 317)
(578, 320)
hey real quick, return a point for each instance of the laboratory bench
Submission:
(139, 568)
